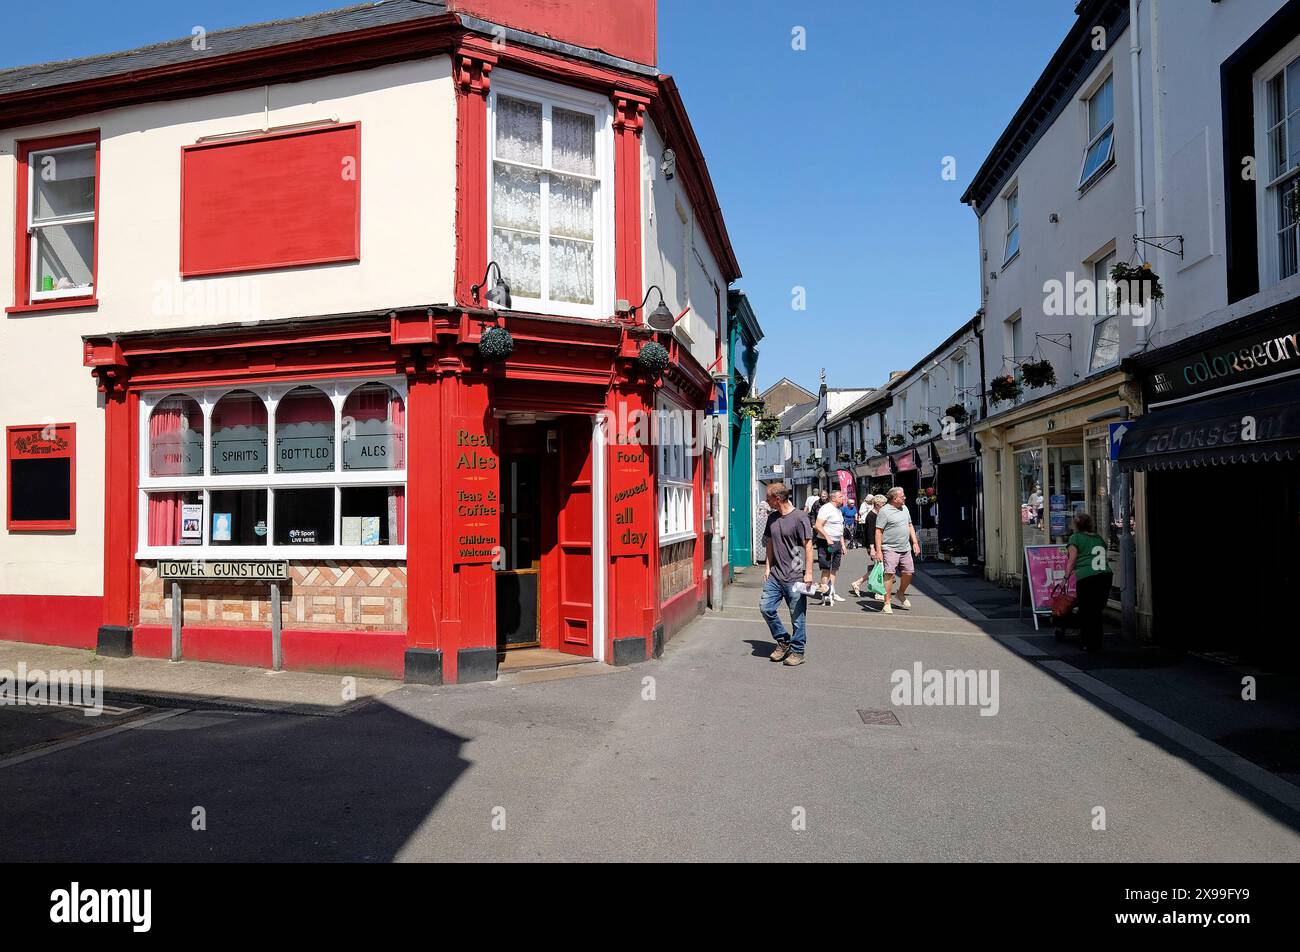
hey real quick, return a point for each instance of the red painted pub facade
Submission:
(437, 502)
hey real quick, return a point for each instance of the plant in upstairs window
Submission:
(1005, 389)
(1038, 373)
(920, 429)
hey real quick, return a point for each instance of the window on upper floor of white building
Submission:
(1278, 140)
(1099, 155)
(57, 229)
(550, 200)
(1105, 326)
(1012, 202)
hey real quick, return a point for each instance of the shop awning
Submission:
(905, 461)
(954, 451)
(1253, 425)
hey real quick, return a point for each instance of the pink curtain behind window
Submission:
(397, 410)
(165, 426)
(239, 408)
(305, 406)
(398, 495)
(164, 518)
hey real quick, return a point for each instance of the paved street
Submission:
(719, 765)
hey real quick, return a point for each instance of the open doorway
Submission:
(545, 587)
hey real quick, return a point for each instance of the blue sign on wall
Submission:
(718, 405)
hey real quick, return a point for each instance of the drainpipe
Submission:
(1139, 177)
(1127, 544)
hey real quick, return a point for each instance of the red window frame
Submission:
(67, 431)
(22, 240)
(352, 254)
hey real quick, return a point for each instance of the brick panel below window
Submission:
(676, 568)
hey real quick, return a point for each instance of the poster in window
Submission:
(221, 527)
(191, 523)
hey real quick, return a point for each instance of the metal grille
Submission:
(880, 718)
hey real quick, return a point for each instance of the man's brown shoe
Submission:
(794, 659)
(780, 653)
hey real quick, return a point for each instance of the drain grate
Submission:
(879, 718)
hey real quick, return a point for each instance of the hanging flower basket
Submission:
(496, 344)
(1137, 284)
(653, 359)
(881, 447)
(1038, 373)
(860, 456)
(958, 413)
(768, 428)
(844, 457)
(752, 408)
(1005, 389)
(897, 439)
(920, 429)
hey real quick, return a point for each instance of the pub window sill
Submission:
(64, 304)
(675, 537)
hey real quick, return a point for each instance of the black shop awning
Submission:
(1252, 425)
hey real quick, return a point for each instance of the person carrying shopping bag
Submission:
(1092, 578)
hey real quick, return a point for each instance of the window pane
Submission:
(1102, 282)
(1101, 109)
(573, 141)
(1276, 100)
(65, 257)
(1013, 243)
(1105, 343)
(239, 434)
(304, 517)
(176, 438)
(238, 517)
(520, 259)
(571, 271)
(176, 518)
(519, 130)
(1292, 87)
(572, 207)
(304, 432)
(1097, 156)
(1277, 150)
(1293, 141)
(374, 429)
(373, 515)
(516, 198)
(1013, 209)
(64, 183)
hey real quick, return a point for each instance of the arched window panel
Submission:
(374, 429)
(239, 434)
(304, 432)
(176, 437)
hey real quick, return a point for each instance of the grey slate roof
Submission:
(219, 43)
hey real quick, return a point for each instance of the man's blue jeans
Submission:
(774, 593)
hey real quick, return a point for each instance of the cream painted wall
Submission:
(408, 188)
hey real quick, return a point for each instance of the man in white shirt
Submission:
(828, 534)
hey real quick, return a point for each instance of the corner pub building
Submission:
(360, 300)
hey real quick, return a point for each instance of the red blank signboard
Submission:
(275, 201)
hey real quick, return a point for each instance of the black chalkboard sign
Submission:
(41, 473)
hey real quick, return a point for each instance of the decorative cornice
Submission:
(629, 111)
(474, 70)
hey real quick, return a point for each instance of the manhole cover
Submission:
(882, 718)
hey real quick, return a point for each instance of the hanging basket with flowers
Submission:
(843, 458)
(958, 413)
(653, 359)
(897, 439)
(920, 429)
(1005, 389)
(768, 428)
(496, 344)
(881, 446)
(1038, 373)
(1136, 284)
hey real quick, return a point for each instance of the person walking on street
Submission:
(896, 543)
(829, 536)
(815, 503)
(850, 511)
(867, 516)
(1092, 578)
(788, 540)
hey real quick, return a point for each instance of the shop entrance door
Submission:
(570, 561)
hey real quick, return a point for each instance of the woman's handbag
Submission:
(1062, 602)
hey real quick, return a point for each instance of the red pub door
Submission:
(572, 557)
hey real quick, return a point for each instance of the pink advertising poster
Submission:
(846, 484)
(1045, 567)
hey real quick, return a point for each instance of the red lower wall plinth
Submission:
(67, 621)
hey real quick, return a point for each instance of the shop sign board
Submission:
(632, 507)
(475, 493)
(1044, 569)
(1252, 356)
(241, 571)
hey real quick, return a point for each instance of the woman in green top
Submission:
(1092, 578)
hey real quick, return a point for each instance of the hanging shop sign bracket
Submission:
(1162, 243)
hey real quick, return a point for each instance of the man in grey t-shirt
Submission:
(895, 544)
(788, 541)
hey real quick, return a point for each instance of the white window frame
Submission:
(1107, 163)
(1104, 313)
(1013, 227)
(34, 293)
(337, 390)
(1268, 195)
(676, 478)
(549, 95)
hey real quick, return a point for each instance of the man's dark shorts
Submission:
(829, 555)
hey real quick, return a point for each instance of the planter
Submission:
(881, 447)
(653, 359)
(958, 413)
(897, 440)
(1139, 284)
(844, 458)
(1005, 389)
(1038, 373)
(496, 344)
(919, 430)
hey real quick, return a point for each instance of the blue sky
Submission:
(827, 161)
